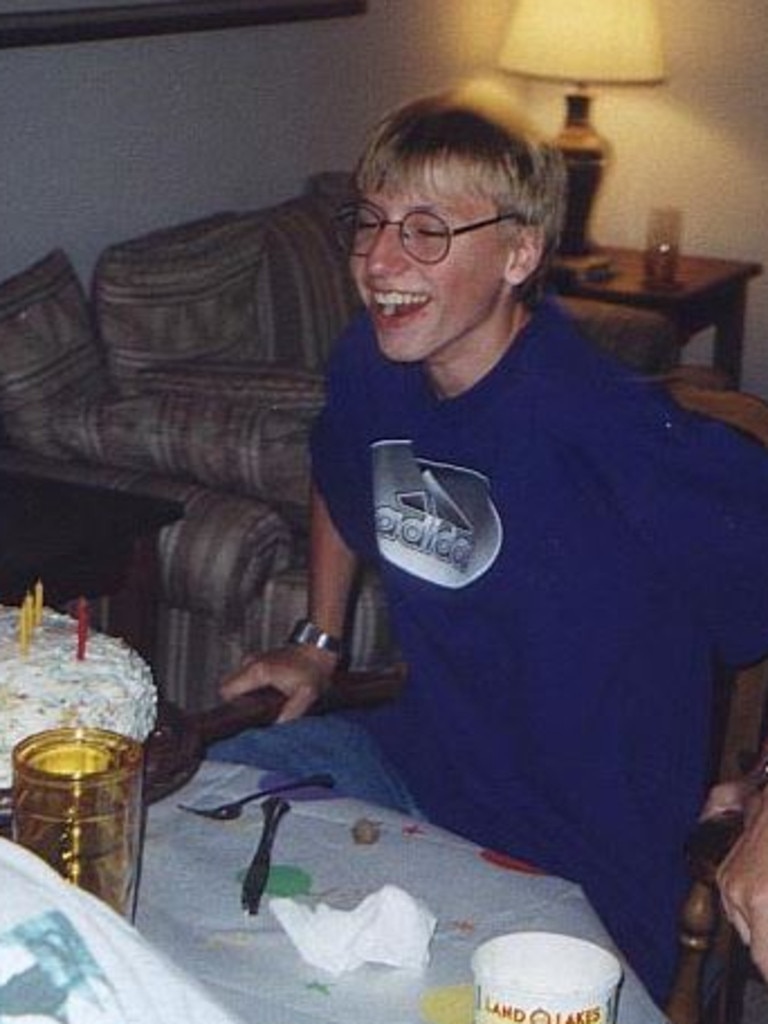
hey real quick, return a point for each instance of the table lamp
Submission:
(583, 42)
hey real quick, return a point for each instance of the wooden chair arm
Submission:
(709, 843)
(706, 848)
(348, 690)
(703, 927)
(178, 743)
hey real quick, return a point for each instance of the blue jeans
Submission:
(327, 743)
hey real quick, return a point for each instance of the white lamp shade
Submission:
(583, 41)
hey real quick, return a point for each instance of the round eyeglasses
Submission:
(423, 235)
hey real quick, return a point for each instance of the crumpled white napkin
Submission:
(387, 927)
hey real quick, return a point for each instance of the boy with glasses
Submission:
(563, 549)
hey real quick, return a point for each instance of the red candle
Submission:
(82, 627)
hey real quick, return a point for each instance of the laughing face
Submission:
(457, 316)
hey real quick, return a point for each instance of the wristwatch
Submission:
(307, 633)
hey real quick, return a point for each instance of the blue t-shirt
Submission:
(565, 553)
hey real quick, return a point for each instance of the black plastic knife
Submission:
(273, 809)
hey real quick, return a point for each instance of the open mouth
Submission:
(396, 304)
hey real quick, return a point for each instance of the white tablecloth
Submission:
(189, 906)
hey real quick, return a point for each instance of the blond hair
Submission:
(460, 142)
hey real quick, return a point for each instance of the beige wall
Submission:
(100, 141)
(699, 142)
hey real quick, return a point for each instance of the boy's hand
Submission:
(743, 882)
(727, 798)
(302, 673)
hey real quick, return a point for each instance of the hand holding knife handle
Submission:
(255, 880)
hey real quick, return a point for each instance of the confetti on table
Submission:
(288, 880)
(451, 1004)
(319, 986)
(463, 927)
(503, 860)
(283, 880)
(413, 829)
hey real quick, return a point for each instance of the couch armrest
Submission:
(236, 445)
(641, 338)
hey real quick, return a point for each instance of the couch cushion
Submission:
(263, 384)
(187, 292)
(218, 557)
(642, 338)
(269, 286)
(307, 296)
(48, 353)
(260, 451)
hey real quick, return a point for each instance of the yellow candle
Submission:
(38, 602)
(29, 603)
(23, 628)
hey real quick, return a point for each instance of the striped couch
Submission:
(193, 371)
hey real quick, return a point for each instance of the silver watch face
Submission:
(307, 633)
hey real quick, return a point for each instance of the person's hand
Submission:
(743, 882)
(302, 673)
(727, 798)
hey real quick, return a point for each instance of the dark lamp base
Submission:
(585, 158)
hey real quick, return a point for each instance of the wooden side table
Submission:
(708, 293)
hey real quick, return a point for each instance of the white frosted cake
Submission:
(43, 684)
